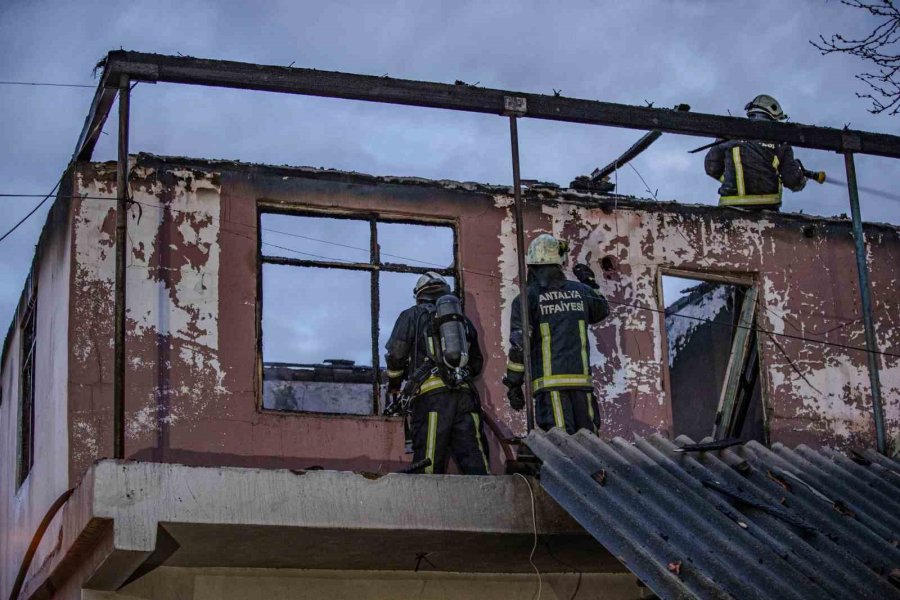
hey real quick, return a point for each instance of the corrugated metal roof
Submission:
(746, 522)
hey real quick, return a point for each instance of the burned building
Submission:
(248, 448)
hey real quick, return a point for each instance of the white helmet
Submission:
(431, 283)
(546, 250)
(765, 105)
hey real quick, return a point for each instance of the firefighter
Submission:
(438, 368)
(752, 173)
(560, 311)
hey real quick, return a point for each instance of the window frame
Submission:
(27, 379)
(723, 425)
(375, 267)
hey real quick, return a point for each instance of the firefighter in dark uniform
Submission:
(560, 311)
(752, 173)
(445, 410)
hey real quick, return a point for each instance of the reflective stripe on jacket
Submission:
(752, 173)
(560, 312)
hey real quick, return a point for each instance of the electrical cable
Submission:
(574, 569)
(296, 235)
(533, 547)
(649, 191)
(506, 279)
(59, 181)
(33, 210)
(73, 85)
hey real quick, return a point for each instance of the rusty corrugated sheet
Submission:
(747, 522)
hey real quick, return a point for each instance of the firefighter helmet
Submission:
(765, 105)
(432, 284)
(546, 250)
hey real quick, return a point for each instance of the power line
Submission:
(33, 210)
(844, 320)
(296, 235)
(59, 181)
(38, 83)
(489, 275)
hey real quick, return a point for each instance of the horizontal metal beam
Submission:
(182, 69)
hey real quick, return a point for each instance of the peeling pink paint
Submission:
(193, 386)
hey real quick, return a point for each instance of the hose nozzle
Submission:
(817, 176)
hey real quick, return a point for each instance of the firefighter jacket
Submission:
(411, 343)
(752, 173)
(560, 311)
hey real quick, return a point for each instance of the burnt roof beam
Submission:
(96, 117)
(195, 71)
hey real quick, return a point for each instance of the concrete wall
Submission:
(173, 583)
(806, 274)
(193, 385)
(23, 507)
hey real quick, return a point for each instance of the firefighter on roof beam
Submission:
(434, 348)
(560, 311)
(752, 173)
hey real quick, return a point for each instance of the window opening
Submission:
(417, 245)
(331, 289)
(27, 381)
(317, 238)
(713, 360)
(317, 349)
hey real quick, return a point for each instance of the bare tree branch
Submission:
(879, 49)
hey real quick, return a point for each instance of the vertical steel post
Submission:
(121, 231)
(375, 310)
(523, 287)
(865, 295)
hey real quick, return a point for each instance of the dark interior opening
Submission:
(701, 320)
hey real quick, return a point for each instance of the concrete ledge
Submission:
(173, 515)
(139, 496)
(338, 520)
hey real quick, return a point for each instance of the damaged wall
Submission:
(23, 507)
(193, 384)
(172, 293)
(805, 269)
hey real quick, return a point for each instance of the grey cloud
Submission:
(703, 53)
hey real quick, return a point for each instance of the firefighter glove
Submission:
(585, 275)
(514, 394)
(516, 398)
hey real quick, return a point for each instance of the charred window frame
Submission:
(743, 374)
(28, 337)
(375, 266)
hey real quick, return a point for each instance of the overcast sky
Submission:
(714, 56)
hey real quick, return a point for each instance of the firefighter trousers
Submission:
(448, 423)
(568, 409)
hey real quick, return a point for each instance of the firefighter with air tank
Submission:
(434, 349)
(560, 311)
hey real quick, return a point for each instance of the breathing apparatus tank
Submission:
(450, 323)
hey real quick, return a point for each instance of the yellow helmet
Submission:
(546, 250)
